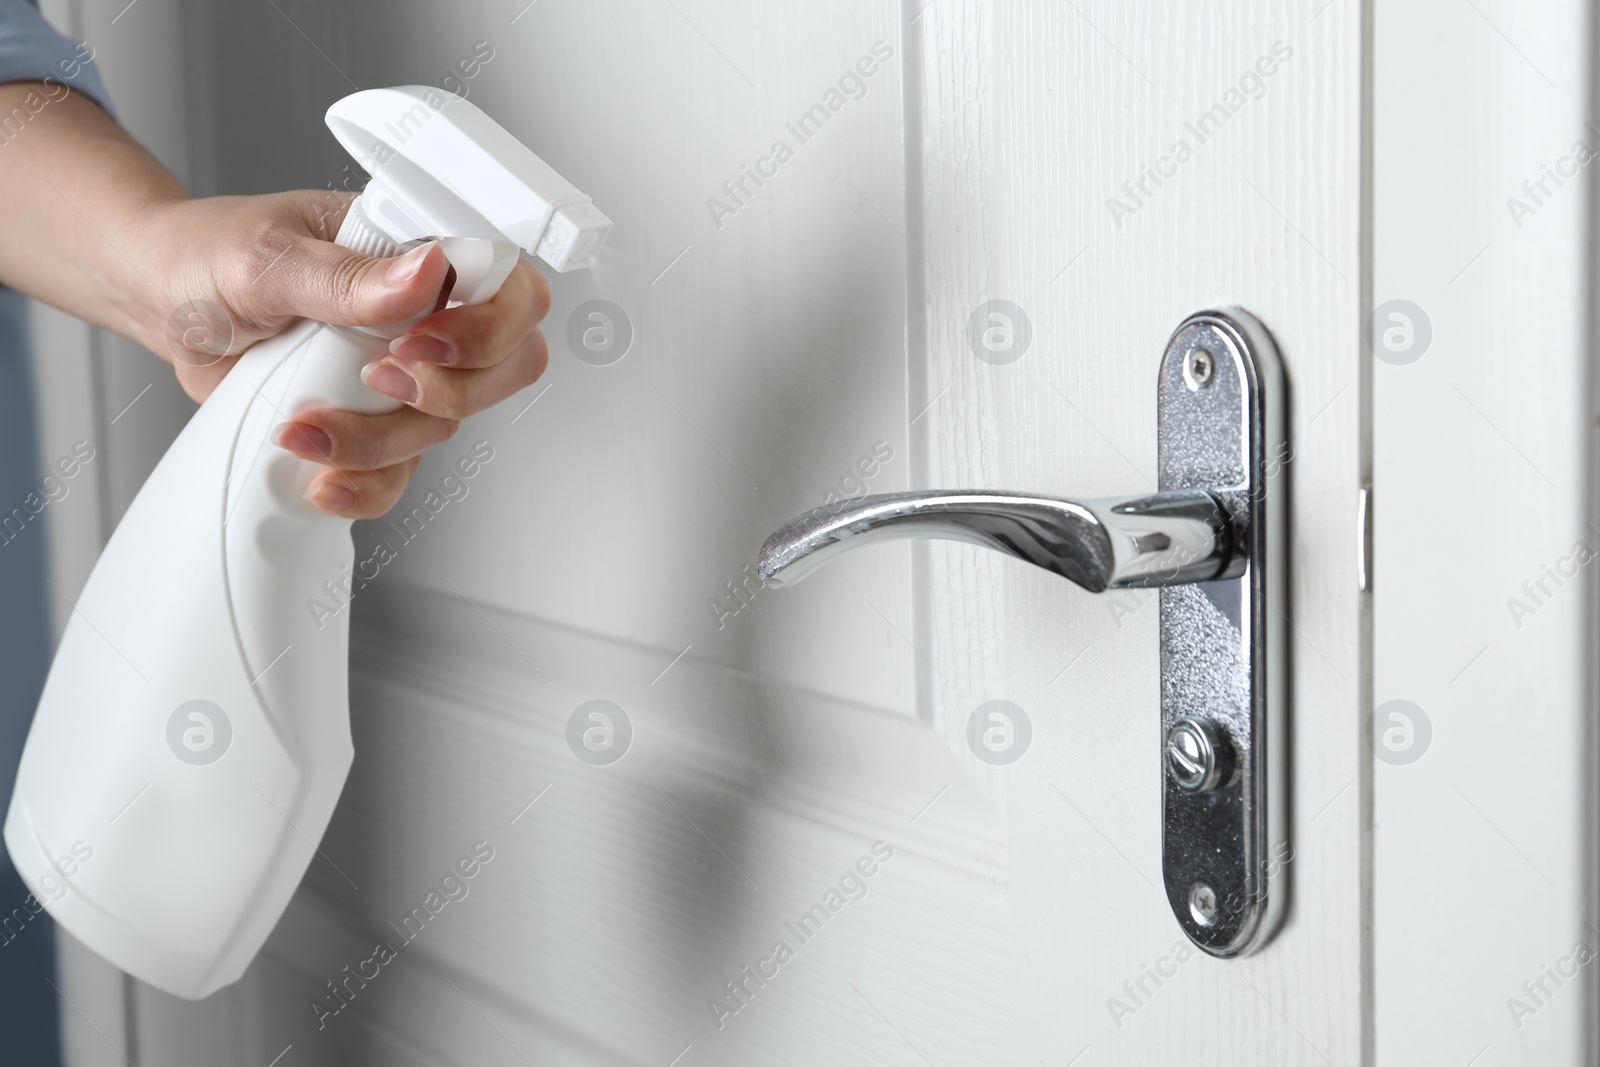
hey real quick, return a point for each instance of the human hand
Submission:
(265, 262)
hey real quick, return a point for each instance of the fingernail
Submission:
(405, 268)
(420, 348)
(327, 494)
(303, 439)
(387, 378)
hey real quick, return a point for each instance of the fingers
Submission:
(347, 440)
(455, 394)
(370, 458)
(479, 335)
(361, 494)
(452, 364)
(310, 278)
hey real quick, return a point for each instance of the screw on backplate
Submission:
(1203, 903)
(1199, 368)
(1199, 757)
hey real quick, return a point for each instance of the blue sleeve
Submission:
(31, 51)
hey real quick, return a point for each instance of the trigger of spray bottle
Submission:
(193, 735)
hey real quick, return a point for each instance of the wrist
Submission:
(156, 246)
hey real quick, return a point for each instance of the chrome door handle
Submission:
(1184, 535)
(1213, 534)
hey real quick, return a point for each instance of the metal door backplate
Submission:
(1225, 854)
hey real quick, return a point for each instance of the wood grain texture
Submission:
(622, 900)
(1033, 117)
(774, 747)
(769, 361)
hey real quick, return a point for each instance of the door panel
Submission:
(634, 892)
(1023, 163)
(803, 336)
(766, 362)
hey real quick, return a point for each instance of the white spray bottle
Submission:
(194, 732)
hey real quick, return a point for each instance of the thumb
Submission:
(319, 280)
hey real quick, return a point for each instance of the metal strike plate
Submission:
(1223, 655)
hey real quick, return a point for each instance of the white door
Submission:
(773, 842)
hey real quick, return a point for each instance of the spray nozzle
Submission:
(442, 168)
